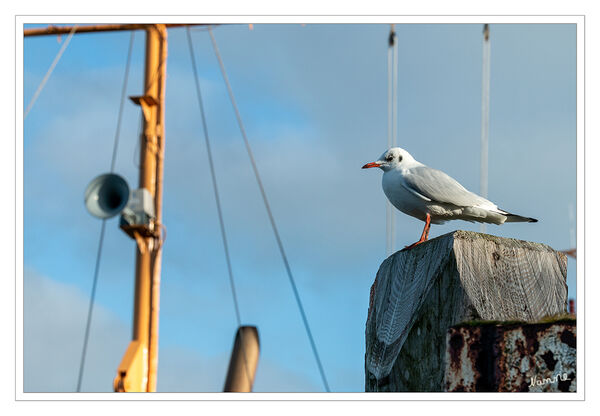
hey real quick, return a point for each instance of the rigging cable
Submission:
(268, 209)
(218, 201)
(485, 114)
(101, 240)
(392, 139)
(388, 205)
(392, 130)
(49, 72)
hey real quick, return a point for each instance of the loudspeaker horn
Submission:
(106, 195)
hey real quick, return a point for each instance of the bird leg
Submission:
(424, 234)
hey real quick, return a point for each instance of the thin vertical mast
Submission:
(392, 130)
(485, 114)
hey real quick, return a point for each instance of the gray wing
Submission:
(434, 185)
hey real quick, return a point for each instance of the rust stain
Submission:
(520, 347)
(567, 337)
(549, 359)
(511, 357)
(486, 357)
(455, 346)
(564, 385)
(531, 336)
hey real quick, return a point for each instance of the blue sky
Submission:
(314, 102)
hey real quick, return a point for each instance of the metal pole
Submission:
(59, 30)
(160, 153)
(394, 128)
(137, 371)
(244, 359)
(389, 209)
(485, 114)
(148, 169)
(141, 313)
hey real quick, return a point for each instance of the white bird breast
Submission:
(401, 197)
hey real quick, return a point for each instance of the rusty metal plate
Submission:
(491, 356)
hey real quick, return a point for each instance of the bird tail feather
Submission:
(517, 218)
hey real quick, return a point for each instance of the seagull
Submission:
(431, 195)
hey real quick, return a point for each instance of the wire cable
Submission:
(392, 139)
(392, 130)
(91, 306)
(49, 72)
(388, 206)
(123, 93)
(217, 200)
(485, 115)
(268, 208)
(101, 240)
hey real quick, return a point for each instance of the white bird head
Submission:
(394, 158)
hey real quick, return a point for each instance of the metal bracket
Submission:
(146, 102)
(133, 370)
(142, 230)
(139, 233)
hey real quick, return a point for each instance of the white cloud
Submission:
(54, 323)
(54, 320)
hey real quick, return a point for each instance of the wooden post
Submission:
(420, 293)
(244, 359)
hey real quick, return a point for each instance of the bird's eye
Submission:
(389, 158)
(400, 158)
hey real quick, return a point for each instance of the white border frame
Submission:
(579, 20)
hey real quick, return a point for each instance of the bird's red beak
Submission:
(371, 165)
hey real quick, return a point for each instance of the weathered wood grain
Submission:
(418, 294)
